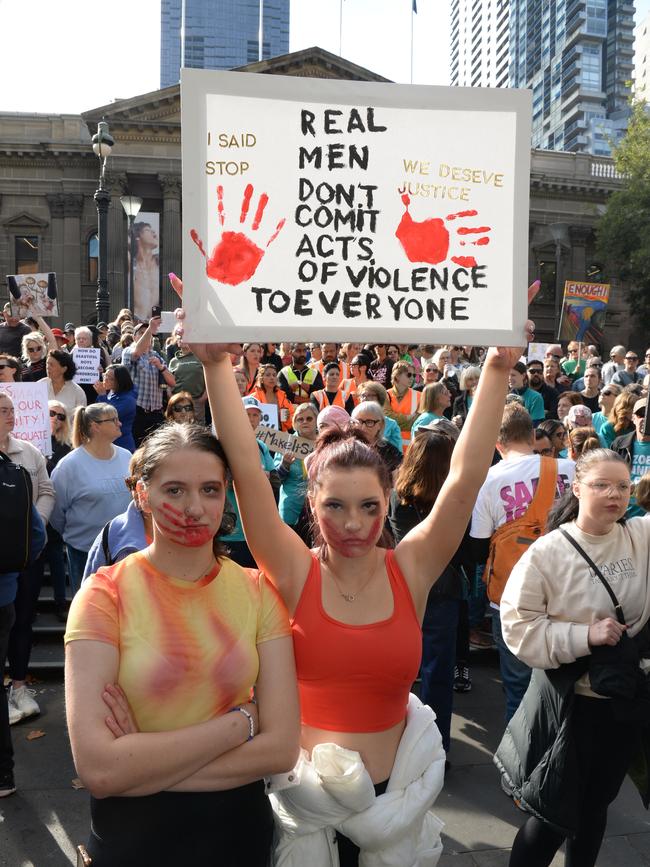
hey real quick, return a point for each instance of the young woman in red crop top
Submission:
(356, 609)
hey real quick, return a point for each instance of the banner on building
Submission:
(31, 413)
(146, 265)
(336, 210)
(583, 312)
(87, 362)
(286, 444)
(33, 294)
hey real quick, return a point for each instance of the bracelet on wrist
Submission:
(251, 724)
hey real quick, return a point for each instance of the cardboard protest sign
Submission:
(33, 294)
(317, 209)
(269, 415)
(537, 351)
(87, 362)
(32, 415)
(286, 444)
(583, 312)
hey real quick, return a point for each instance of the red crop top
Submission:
(355, 678)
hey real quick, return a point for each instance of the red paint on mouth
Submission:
(350, 546)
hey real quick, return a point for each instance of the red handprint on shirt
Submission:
(236, 257)
(428, 240)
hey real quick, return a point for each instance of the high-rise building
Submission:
(642, 59)
(575, 55)
(219, 34)
(480, 47)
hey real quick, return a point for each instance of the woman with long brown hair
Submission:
(250, 362)
(267, 390)
(620, 418)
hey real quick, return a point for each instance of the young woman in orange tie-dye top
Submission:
(160, 648)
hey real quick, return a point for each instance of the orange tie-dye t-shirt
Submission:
(188, 651)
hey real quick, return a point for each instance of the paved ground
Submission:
(40, 824)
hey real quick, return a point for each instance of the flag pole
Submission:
(260, 33)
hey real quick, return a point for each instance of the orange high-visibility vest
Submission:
(408, 405)
(340, 398)
(283, 402)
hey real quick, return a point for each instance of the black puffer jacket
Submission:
(537, 752)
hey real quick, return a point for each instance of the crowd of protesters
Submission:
(415, 482)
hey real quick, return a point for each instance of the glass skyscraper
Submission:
(575, 55)
(219, 34)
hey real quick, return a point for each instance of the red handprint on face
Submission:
(236, 257)
(428, 241)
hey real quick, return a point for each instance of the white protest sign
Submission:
(286, 444)
(537, 351)
(31, 413)
(269, 415)
(335, 210)
(168, 321)
(33, 294)
(87, 361)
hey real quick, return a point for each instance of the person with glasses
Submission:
(89, 483)
(634, 447)
(12, 331)
(403, 400)
(575, 363)
(188, 373)
(606, 399)
(556, 433)
(537, 382)
(118, 390)
(23, 453)
(180, 408)
(542, 444)
(370, 418)
(376, 392)
(430, 375)
(629, 375)
(644, 369)
(359, 372)
(567, 750)
(616, 356)
(54, 553)
(293, 475)
(469, 378)
(35, 347)
(10, 369)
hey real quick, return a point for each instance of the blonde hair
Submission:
(32, 337)
(581, 440)
(642, 492)
(63, 434)
(84, 417)
(621, 414)
(430, 396)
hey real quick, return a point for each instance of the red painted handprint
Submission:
(428, 241)
(236, 257)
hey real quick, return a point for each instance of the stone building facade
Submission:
(48, 176)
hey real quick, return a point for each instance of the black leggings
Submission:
(233, 828)
(604, 749)
(348, 852)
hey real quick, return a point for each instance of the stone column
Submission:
(171, 237)
(69, 307)
(117, 185)
(579, 236)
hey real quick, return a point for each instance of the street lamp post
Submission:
(102, 146)
(131, 205)
(560, 233)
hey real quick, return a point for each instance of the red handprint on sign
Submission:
(236, 257)
(428, 241)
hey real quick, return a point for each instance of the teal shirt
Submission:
(423, 419)
(293, 490)
(640, 466)
(534, 403)
(392, 433)
(598, 422)
(267, 463)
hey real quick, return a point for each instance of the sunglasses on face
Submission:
(631, 358)
(33, 349)
(640, 413)
(183, 408)
(59, 415)
(534, 370)
(607, 393)
(3, 366)
(410, 375)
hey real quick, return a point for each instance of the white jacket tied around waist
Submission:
(396, 829)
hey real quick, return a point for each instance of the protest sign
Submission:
(336, 210)
(537, 351)
(168, 321)
(31, 413)
(33, 294)
(269, 415)
(286, 444)
(87, 362)
(583, 312)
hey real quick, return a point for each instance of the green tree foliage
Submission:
(623, 232)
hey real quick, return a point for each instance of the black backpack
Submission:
(16, 498)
